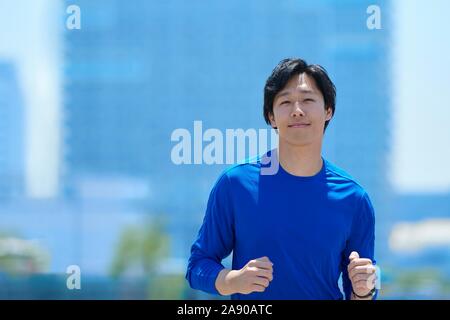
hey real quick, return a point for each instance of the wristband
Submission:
(370, 294)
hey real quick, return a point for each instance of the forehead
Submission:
(302, 82)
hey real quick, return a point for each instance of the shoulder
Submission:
(237, 178)
(345, 182)
(356, 196)
(247, 169)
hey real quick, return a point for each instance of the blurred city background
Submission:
(86, 117)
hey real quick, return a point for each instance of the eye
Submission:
(309, 100)
(285, 102)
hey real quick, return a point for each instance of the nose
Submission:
(297, 111)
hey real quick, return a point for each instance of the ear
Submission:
(272, 121)
(328, 114)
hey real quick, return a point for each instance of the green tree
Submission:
(141, 249)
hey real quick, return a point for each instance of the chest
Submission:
(302, 222)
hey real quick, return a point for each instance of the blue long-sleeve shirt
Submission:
(307, 226)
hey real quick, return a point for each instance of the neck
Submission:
(300, 160)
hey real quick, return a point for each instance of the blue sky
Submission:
(421, 96)
(29, 34)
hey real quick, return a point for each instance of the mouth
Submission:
(299, 125)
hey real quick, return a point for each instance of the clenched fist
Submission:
(255, 276)
(361, 273)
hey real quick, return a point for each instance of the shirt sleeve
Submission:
(215, 240)
(361, 240)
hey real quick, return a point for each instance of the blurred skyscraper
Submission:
(138, 70)
(12, 118)
(360, 138)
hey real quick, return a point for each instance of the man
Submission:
(292, 232)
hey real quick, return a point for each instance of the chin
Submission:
(298, 141)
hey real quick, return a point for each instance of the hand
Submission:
(255, 276)
(361, 273)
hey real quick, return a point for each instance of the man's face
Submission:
(299, 111)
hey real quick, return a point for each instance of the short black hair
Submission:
(285, 70)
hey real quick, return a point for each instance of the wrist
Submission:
(368, 296)
(224, 282)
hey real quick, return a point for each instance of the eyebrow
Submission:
(288, 92)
